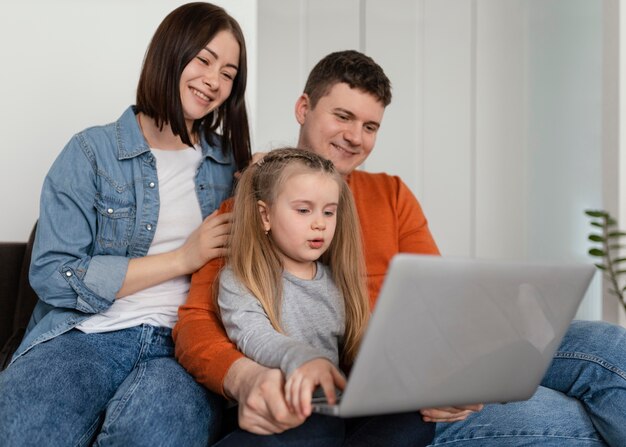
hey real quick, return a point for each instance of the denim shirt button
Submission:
(110, 210)
(68, 273)
(151, 184)
(149, 227)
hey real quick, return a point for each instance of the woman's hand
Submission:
(303, 381)
(207, 242)
(449, 414)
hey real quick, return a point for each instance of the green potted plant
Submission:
(606, 239)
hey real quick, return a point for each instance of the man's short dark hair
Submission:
(353, 68)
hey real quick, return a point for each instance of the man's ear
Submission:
(303, 105)
(264, 211)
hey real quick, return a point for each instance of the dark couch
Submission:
(17, 298)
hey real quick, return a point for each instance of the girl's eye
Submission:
(329, 213)
(228, 76)
(302, 210)
(203, 60)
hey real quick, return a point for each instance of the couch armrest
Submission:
(11, 260)
(17, 297)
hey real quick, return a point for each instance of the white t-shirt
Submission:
(179, 215)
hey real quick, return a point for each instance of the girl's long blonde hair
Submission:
(254, 259)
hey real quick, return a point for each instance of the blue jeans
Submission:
(582, 400)
(396, 430)
(116, 388)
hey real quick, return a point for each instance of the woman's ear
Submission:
(264, 211)
(302, 107)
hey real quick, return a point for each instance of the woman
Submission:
(126, 216)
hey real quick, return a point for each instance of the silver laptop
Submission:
(449, 331)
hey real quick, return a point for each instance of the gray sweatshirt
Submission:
(312, 318)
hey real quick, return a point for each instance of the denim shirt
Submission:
(99, 208)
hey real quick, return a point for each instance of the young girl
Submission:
(293, 296)
(126, 217)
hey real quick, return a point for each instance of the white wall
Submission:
(496, 122)
(66, 65)
(496, 118)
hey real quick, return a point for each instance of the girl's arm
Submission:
(249, 328)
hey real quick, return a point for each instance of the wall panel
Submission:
(446, 102)
(500, 124)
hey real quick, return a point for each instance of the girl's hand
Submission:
(303, 381)
(207, 242)
(449, 414)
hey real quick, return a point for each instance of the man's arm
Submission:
(202, 345)
(414, 236)
(259, 391)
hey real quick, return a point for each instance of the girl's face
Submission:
(207, 80)
(302, 220)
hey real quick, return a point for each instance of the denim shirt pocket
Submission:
(115, 222)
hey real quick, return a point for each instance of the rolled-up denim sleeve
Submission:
(64, 272)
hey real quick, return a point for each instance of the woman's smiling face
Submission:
(207, 80)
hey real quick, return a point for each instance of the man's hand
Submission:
(449, 414)
(259, 391)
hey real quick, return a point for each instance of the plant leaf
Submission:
(618, 260)
(596, 213)
(616, 246)
(620, 272)
(614, 234)
(596, 238)
(596, 252)
(610, 221)
(597, 224)
(601, 266)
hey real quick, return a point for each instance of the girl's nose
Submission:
(319, 224)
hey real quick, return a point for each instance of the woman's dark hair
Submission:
(177, 40)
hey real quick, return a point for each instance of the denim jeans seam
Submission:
(141, 368)
(500, 436)
(88, 435)
(592, 358)
(147, 333)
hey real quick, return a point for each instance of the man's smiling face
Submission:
(342, 126)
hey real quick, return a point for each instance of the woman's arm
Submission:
(79, 258)
(64, 272)
(204, 244)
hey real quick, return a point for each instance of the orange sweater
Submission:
(392, 222)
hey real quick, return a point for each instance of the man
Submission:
(339, 114)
